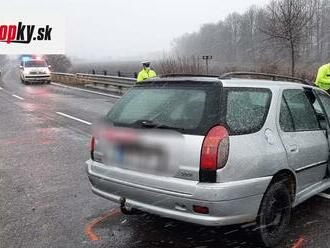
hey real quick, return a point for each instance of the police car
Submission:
(34, 70)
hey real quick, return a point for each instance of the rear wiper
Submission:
(169, 127)
(150, 124)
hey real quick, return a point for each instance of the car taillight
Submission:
(214, 154)
(92, 147)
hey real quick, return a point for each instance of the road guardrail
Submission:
(112, 83)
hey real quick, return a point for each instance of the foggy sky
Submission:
(128, 28)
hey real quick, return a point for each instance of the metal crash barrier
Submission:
(112, 83)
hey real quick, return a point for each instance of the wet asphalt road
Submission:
(45, 197)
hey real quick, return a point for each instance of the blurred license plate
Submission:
(136, 159)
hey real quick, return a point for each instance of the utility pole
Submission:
(207, 58)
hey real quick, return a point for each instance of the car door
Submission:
(305, 142)
(319, 108)
(323, 104)
(324, 101)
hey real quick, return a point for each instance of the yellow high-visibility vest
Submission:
(323, 77)
(145, 74)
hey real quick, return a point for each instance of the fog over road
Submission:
(45, 196)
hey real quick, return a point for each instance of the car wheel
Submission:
(274, 214)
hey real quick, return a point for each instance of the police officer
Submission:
(323, 77)
(146, 72)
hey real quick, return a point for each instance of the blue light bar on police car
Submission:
(26, 58)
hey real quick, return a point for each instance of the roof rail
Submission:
(273, 77)
(186, 75)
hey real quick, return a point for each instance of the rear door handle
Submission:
(293, 148)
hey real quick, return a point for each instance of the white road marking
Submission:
(324, 195)
(18, 97)
(89, 91)
(74, 118)
(1, 88)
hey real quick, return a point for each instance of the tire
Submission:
(274, 214)
(23, 81)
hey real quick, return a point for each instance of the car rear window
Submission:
(247, 109)
(188, 108)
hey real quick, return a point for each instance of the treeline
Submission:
(59, 62)
(284, 36)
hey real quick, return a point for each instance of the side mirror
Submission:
(49, 66)
(21, 67)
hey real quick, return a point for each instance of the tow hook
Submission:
(122, 201)
(129, 210)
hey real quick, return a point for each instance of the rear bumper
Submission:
(178, 206)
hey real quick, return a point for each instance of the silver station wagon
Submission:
(215, 151)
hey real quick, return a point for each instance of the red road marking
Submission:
(89, 232)
(299, 243)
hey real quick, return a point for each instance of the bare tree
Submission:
(179, 64)
(60, 63)
(285, 36)
(286, 21)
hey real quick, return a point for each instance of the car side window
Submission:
(247, 109)
(325, 100)
(301, 111)
(318, 107)
(286, 121)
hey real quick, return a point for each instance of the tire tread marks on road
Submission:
(89, 228)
